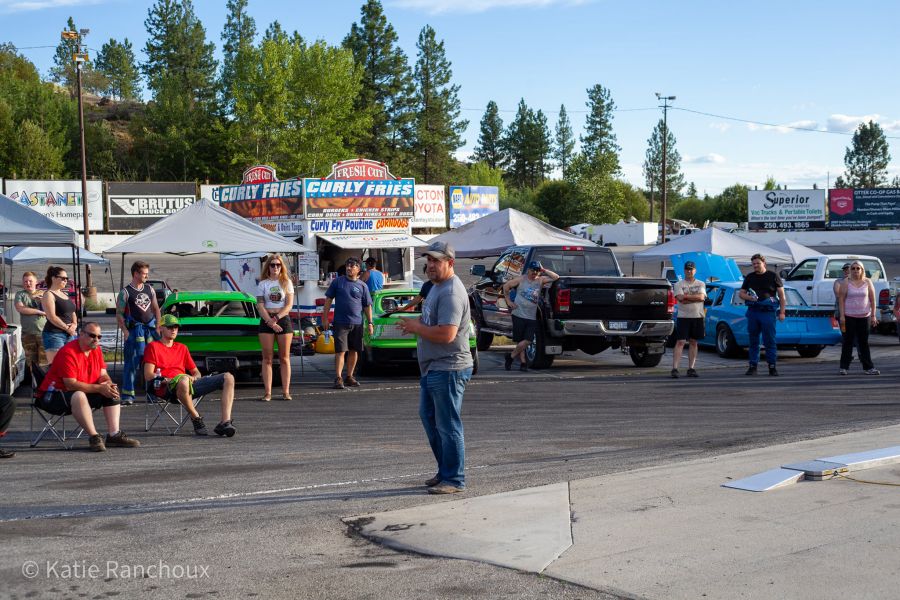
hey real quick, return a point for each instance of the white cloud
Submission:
(12, 6)
(478, 6)
(712, 158)
(785, 128)
(720, 126)
(849, 123)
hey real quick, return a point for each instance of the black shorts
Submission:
(284, 322)
(60, 402)
(347, 337)
(689, 328)
(523, 329)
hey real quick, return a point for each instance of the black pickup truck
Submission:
(591, 307)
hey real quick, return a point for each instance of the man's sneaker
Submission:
(225, 428)
(773, 371)
(96, 443)
(751, 370)
(523, 367)
(873, 372)
(339, 384)
(674, 373)
(127, 400)
(445, 488)
(6, 453)
(433, 481)
(120, 440)
(692, 373)
(843, 372)
(507, 361)
(351, 381)
(199, 426)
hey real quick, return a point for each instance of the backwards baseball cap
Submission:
(441, 251)
(352, 261)
(536, 265)
(169, 321)
(371, 260)
(846, 266)
(690, 265)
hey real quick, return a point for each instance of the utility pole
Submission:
(665, 191)
(80, 56)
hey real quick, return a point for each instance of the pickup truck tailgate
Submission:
(616, 298)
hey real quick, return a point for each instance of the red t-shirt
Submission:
(71, 362)
(171, 361)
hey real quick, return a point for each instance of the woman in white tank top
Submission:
(856, 298)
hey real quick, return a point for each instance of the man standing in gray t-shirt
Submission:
(446, 365)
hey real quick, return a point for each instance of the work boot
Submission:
(96, 443)
(773, 371)
(692, 373)
(120, 440)
(674, 373)
(751, 370)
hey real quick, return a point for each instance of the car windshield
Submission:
(394, 302)
(578, 262)
(220, 308)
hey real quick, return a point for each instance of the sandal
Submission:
(266, 398)
(286, 397)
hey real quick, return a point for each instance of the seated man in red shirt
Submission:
(80, 382)
(181, 378)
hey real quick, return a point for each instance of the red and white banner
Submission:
(430, 206)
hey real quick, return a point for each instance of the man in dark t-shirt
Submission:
(763, 291)
(351, 298)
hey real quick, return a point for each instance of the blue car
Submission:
(804, 328)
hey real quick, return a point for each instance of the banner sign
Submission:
(348, 198)
(358, 225)
(276, 199)
(133, 206)
(786, 209)
(468, 203)
(60, 200)
(864, 209)
(360, 168)
(259, 174)
(210, 192)
(430, 206)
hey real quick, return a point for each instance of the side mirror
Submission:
(783, 273)
(478, 270)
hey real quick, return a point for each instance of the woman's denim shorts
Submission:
(54, 340)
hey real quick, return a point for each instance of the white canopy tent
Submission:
(491, 234)
(798, 252)
(31, 255)
(714, 241)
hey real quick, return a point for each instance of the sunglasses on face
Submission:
(93, 336)
(63, 277)
(175, 327)
(855, 269)
(275, 265)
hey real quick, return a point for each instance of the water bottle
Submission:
(52, 387)
(158, 382)
(328, 337)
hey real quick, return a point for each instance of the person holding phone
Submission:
(763, 291)
(524, 309)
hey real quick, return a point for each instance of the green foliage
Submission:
(523, 200)
(691, 191)
(634, 203)
(64, 71)
(691, 210)
(867, 158)
(237, 36)
(34, 155)
(438, 126)
(602, 199)
(386, 95)
(559, 200)
(653, 169)
(771, 184)
(598, 143)
(730, 205)
(490, 140)
(528, 147)
(564, 141)
(481, 173)
(116, 64)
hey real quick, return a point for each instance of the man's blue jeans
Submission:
(762, 322)
(440, 405)
(139, 335)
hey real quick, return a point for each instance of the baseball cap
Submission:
(441, 250)
(352, 261)
(371, 260)
(536, 265)
(690, 265)
(169, 321)
(846, 266)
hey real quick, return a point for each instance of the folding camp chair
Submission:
(54, 423)
(162, 406)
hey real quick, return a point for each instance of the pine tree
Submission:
(515, 142)
(490, 141)
(540, 148)
(387, 87)
(116, 63)
(692, 191)
(237, 36)
(867, 158)
(598, 144)
(438, 126)
(564, 141)
(654, 159)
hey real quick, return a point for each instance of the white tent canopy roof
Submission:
(29, 255)
(714, 241)
(492, 234)
(206, 227)
(22, 226)
(798, 251)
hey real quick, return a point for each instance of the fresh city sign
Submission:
(360, 168)
(786, 209)
(359, 188)
(259, 174)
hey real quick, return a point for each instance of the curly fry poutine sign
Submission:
(359, 189)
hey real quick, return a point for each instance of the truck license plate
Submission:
(553, 349)
(618, 325)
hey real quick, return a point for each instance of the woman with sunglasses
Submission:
(275, 295)
(60, 310)
(857, 302)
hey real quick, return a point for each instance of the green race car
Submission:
(220, 330)
(388, 345)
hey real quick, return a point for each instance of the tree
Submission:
(692, 210)
(691, 191)
(653, 163)
(237, 36)
(490, 141)
(481, 173)
(730, 205)
(564, 140)
(387, 87)
(634, 202)
(522, 200)
(116, 63)
(599, 141)
(602, 198)
(34, 156)
(867, 158)
(528, 146)
(559, 200)
(438, 126)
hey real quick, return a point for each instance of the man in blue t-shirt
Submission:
(372, 276)
(350, 297)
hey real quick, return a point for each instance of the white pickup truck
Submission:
(814, 278)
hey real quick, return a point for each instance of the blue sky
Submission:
(824, 65)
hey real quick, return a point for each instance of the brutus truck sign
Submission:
(134, 206)
(786, 209)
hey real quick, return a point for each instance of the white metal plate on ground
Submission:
(818, 469)
(868, 459)
(767, 480)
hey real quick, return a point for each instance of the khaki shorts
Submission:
(34, 349)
